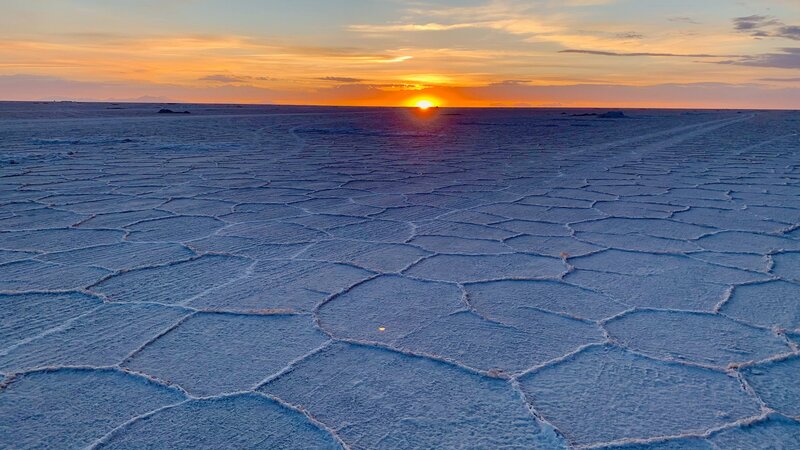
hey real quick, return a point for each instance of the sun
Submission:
(424, 104)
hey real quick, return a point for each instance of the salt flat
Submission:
(287, 277)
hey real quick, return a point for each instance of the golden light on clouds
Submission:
(477, 53)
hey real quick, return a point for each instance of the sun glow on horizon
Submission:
(417, 55)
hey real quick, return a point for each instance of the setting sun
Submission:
(424, 104)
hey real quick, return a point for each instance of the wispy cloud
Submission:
(754, 22)
(224, 78)
(788, 59)
(341, 79)
(364, 28)
(513, 17)
(683, 19)
(542, 23)
(632, 54)
(221, 78)
(789, 32)
(395, 59)
(766, 26)
(629, 35)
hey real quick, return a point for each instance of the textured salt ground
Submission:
(314, 278)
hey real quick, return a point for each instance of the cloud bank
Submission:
(508, 93)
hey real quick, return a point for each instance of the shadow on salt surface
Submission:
(122, 256)
(31, 275)
(41, 218)
(55, 240)
(658, 280)
(240, 421)
(283, 285)
(776, 383)
(508, 300)
(770, 304)
(174, 229)
(215, 353)
(700, 338)
(350, 130)
(99, 140)
(25, 316)
(466, 268)
(101, 337)
(430, 318)
(787, 265)
(75, 407)
(463, 246)
(172, 283)
(378, 398)
(636, 397)
(374, 256)
(774, 432)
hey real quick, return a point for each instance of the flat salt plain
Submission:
(288, 277)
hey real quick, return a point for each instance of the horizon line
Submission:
(296, 105)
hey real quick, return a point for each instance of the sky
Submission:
(528, 53)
